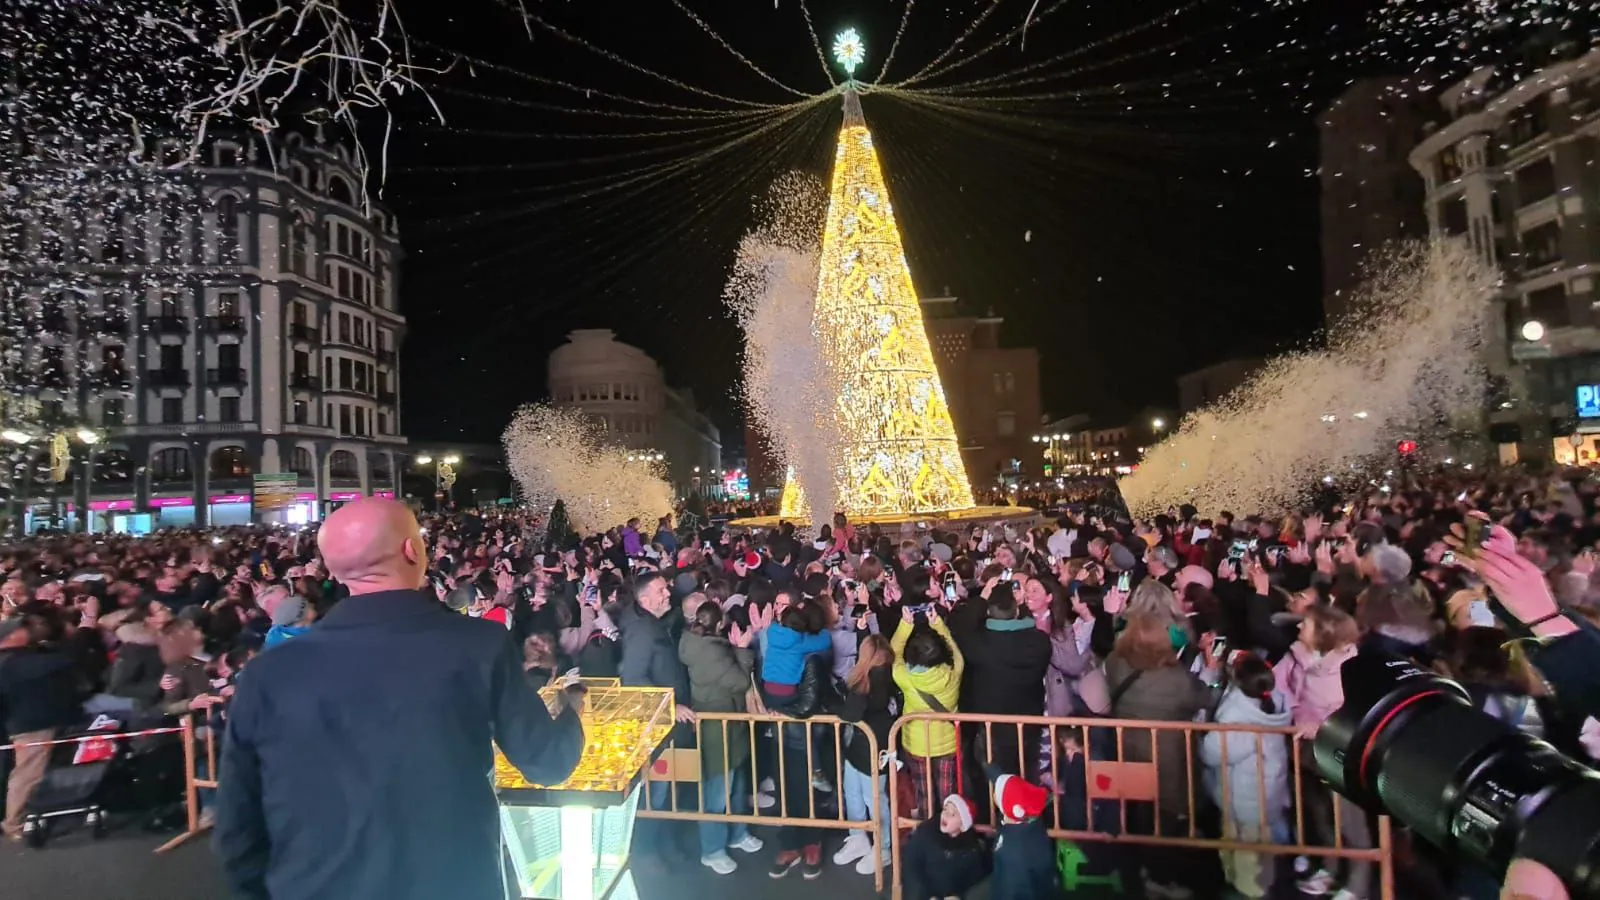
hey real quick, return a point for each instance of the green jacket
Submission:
(719, 676)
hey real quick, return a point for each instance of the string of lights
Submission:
(734, 51)
(1020, 76)
(645, 176)
(470, 64)
(817, 44)
(1000, 41)
(705, 126)
(626, 63)
(894, 45)
(961, 38)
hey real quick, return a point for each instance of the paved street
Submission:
(123, 867)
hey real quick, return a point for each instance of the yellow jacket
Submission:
(942, 683)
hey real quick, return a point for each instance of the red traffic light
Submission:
(1406, 447)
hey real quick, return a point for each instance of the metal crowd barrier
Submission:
(825, 739)
(1133, 776)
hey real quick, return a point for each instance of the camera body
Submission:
(1410, 743)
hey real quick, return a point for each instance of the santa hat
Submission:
(963, 808)
(752, 560)
(1018, 799)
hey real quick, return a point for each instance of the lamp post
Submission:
(444, 475)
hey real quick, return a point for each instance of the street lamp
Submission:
(444, 474)
(1533, 330)
(1158, 424)
(424, 459)
(451, 459)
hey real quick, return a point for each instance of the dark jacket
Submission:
(1025, 862)
(649, 655)
(875, 709)
(1006, 662)
(136, 674)
(1571, 663)
(357, 755)
(1167, 694)
(937, 865)
(38, 689)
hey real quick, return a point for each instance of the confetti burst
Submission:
(1406, 365)
(563, 454)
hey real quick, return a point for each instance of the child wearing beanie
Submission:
(1024, 854)
(944, 857)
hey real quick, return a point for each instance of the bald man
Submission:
(358, 755)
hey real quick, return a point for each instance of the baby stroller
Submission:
(76, 783)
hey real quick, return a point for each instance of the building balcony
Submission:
(348, 392)
(111, 380)
(300, 332)
(386, 398)
(226, 376)
(302, 381)
(387, 357)
(225, 324)
(167, 378)
(346, 343)
(113, 324)
(167, 325)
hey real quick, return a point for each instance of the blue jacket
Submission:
(280, 633)
(785, 650)
(357, 756)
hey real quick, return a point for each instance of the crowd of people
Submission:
(1187, 616)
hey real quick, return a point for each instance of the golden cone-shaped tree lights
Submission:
(899, 455)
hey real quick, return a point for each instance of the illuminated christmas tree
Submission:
(899, 455)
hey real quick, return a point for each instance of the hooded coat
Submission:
(941, 683)
(1253, 762)
(719, 676)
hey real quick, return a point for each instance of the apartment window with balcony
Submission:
(1549, 306)
(302, 364)
(1449, 165)
(360, 327)
(1453, 216)
(1536, 181)
(111, 413)
(228, 409)
(344, 328)
(361, 377)
(171, 305)
(228, 356)
(347, 376)
(171, 357)
(172, 411)
(344, 418)
(227, 228)
(344, 283)
(1529, 124)
(383, 423)
(302, 412)
(1541, 246)
(228, 304)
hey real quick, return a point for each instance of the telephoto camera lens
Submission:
(1410, 744)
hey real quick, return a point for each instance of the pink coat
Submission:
(1311, 681)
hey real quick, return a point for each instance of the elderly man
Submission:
(357, 755)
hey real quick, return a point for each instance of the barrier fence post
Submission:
(191, 791)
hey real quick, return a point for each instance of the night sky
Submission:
(1130, 236)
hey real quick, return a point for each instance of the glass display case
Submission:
(570, 841)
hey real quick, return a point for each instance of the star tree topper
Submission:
(848, 50)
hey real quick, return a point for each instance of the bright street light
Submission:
(424, 459)
(451, 459)
(1157, 424)
(87, 436)
(1533, 330)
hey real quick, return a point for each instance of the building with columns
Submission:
(231, 316)
(623, 388)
